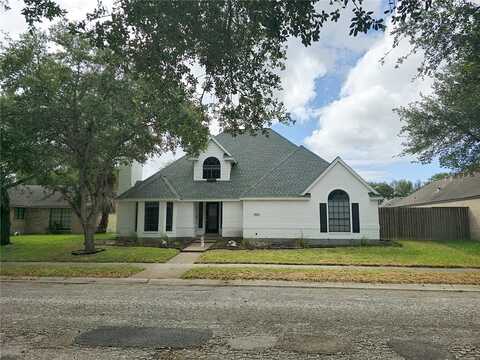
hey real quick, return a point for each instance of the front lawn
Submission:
(110, 271)
(327, 275)
(59, 248)
(455, 253)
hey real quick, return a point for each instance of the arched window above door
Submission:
(211, 168)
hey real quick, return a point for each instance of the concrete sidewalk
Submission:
(243, 283)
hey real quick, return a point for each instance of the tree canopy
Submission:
(446, 124)
(83, 115)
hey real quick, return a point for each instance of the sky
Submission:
(337, 91)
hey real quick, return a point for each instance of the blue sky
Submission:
(336, 90)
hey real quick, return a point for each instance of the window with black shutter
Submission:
(169, 219)
(151, 216)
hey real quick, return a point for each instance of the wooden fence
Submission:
(428, 223)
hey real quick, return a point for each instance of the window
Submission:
(338, 211)
(169, 219)
(151, 216)
(20, 213)
(200, 215)
(211, 168)
(60, 219)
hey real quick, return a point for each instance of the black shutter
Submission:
(169, 220)
(355, 218)
(200, 215)
(323, 217)
(136, 215)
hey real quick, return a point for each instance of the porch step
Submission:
(197, 247)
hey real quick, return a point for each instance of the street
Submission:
(44, 321)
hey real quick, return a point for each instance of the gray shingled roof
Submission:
(35, 196)
(266, 166)
(448, 189)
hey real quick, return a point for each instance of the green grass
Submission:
(330, 275)
(455, 253)
(33, 270)
(59, 247)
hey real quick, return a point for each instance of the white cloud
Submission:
(305, 65)
(361, 126)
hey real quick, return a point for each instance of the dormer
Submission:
(213, 164)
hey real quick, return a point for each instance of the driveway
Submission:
(66, 321)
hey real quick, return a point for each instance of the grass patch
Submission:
(455, 253)
(110, 271)
(317, 275)
(58, 248)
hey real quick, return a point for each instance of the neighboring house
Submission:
(256, 187)
(457, 191)
(391, 202)
(35, 210)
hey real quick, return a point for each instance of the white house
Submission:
(255, 187)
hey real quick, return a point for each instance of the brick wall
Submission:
(37, 221)
(15, 224)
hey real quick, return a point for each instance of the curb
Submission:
(242, 283)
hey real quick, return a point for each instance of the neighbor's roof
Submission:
(36, 196)
(448, 189)
(391, 202)
(265, 166)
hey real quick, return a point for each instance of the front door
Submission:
(212, 218)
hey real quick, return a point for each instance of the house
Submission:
(391, 202)
(255, 187)
(454, 191)
(36, 210)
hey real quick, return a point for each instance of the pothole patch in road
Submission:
(315, 344)
(419, 350)
(149, 337)
(249, 343)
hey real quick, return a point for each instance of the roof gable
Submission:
(339, 162)
(265, 165)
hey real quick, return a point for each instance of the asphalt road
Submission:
(75, 321)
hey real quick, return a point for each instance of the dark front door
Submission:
(212, 217)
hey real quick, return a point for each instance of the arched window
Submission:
(338, 211)
(211, 168)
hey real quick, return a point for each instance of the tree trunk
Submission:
(88, 222)
(4, 217)
(103, 224)
(89, 240)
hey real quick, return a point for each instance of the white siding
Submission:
(232, 219)
(301, 218)
(126, 218)
(183, 219)
(215, 151)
